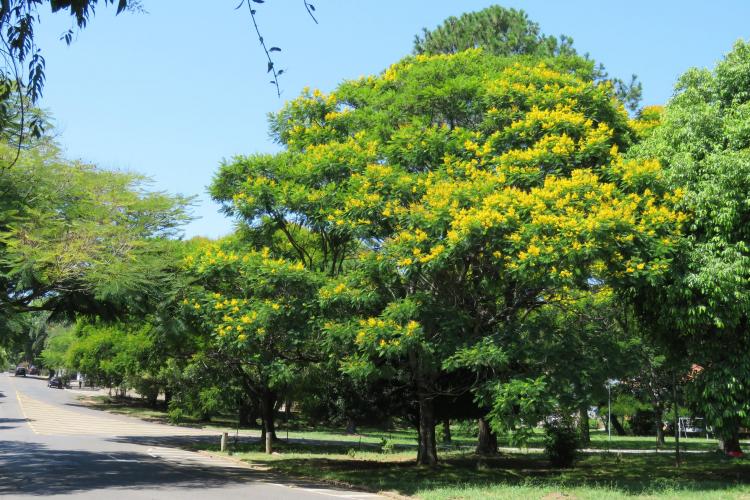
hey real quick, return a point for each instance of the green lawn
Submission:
(511, 475)
(332, 455)
(372, 436)
(404, 438)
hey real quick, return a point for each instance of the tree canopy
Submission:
(448, 199)
(703, 312)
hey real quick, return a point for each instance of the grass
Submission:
(512, 475)
(331, 455)
(373, 436)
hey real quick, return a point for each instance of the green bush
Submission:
(561, 444)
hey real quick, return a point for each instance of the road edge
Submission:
(318, 480)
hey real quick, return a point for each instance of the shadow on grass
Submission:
(635, 474)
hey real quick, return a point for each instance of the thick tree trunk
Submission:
(427, 452)
(447, 438)
(167, 397)
(731, 442)
(267, 413)
(487, 442)
(583, 425)
(617, 426)
(659, 417)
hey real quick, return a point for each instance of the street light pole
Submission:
(609, 412)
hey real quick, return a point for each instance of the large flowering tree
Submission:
(448, 199)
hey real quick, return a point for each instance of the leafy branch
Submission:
(271, 65)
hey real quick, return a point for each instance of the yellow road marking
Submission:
(48, 419)
(23, 412)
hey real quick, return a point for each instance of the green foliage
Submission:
(561, 443)
(518, 405)
(54, 355)
(509, 32)
(703, 141)
(500, 31)
(447, 200)
(77, 238)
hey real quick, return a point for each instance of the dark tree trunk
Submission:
(167, 397)
(659, 417)
(153, 399)
(583, 425)
(731, 442)
(447, 438)
(487, 442)
(248, 414)
(351, 425)
(268, 436)
(427, 452)
(287, 410)
(617, 426)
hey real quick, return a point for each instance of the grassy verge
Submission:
(404, 438)
(462, 475)
(332, 455)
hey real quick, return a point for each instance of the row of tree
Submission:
(471, 234)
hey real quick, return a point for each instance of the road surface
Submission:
(52, 447)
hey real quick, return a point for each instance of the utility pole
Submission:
(676, 420)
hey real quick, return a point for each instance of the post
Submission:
(609, 413)
(269, 441)
(676, 421)
(224, 437)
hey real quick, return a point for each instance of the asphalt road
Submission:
(52, 447)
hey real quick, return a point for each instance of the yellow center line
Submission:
(23, 412)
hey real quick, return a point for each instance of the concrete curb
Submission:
(313, 480)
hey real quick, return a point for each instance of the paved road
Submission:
(52, 447)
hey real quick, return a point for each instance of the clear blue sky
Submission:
(172, 92)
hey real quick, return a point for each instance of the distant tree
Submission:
(509, 32)
(77, 238)
(500, 31)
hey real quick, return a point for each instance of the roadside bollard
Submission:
(224, 437)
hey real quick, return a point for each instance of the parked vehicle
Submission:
(33, 370)
(56, 382)
(20, 371)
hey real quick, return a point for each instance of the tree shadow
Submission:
(632, 475)
(35, 469)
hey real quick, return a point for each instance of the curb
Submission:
(314, 480)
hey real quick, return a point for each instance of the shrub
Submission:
(561, 444)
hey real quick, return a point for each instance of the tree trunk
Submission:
(731, 442)
(287, 410)
(267, 413)
(447, 438)
(351, 425)
(487, 442)
(676, 421)
(427, 452)
(167, 397)
(248, 414)
(659, 417)
(583, 425)
(617, 426)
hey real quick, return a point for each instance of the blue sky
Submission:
(172, 92)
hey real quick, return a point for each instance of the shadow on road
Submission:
(184, 441)
(4, 423)
(32, 468)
